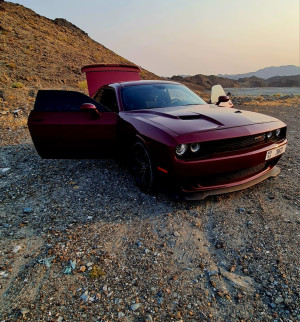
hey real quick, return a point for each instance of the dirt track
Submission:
(232, 257)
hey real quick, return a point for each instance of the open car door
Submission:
(67, 124)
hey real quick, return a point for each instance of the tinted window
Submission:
(158, 95)
(107, 98)
(62, 101)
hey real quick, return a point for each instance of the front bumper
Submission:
(223, 163)
(237, 186)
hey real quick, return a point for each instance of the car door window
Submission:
(107, 97)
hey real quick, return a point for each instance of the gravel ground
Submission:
(79, 242)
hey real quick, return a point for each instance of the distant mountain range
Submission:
(202, 82)
(268, 72)
(282, 76)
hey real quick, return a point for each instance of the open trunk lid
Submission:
(104, 74)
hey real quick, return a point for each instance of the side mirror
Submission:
(222, 99)
(219, 97)
(92, 108)
(88, 106)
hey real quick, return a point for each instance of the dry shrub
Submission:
(96, 272)
(294, 101)
(97, 57)
(17, 85)
(82, 84)
(11, 97)
(64, 38)
(61, 37)
(11, 65)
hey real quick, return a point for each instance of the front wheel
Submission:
(142, 168)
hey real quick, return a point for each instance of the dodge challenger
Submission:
(164, 130)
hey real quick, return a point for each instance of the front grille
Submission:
(234, 144)
(228, 177)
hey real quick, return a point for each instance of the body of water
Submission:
(257, 91)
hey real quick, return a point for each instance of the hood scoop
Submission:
(190, 117)
(202, 117)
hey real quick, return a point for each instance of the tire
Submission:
(142, 167)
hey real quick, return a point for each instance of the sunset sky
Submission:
(171, 37)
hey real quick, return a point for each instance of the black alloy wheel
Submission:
(142, 168)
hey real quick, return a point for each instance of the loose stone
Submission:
(85, 296)
(120, 315)
(176, 234)
(135, 306)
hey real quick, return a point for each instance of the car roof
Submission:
(145, 82)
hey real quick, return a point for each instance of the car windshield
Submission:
(138, 97)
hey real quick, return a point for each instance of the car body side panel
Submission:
(73, 134)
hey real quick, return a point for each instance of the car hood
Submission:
(199, 118)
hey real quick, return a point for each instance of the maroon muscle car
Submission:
(165, 130)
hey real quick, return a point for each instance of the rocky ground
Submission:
(79, 242)
(269, 100)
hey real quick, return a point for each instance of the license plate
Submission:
(275, 152)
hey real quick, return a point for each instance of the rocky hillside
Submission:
(252, 81)
(277, 81)
(41, 52)
(37, 52)
(205, 82)
(284, 81)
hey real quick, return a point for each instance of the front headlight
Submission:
(278, 132)
(195, 147)
(181, 149)
(269, 135)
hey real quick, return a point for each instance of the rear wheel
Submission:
(142, 168)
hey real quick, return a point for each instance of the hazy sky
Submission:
(171, 37)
